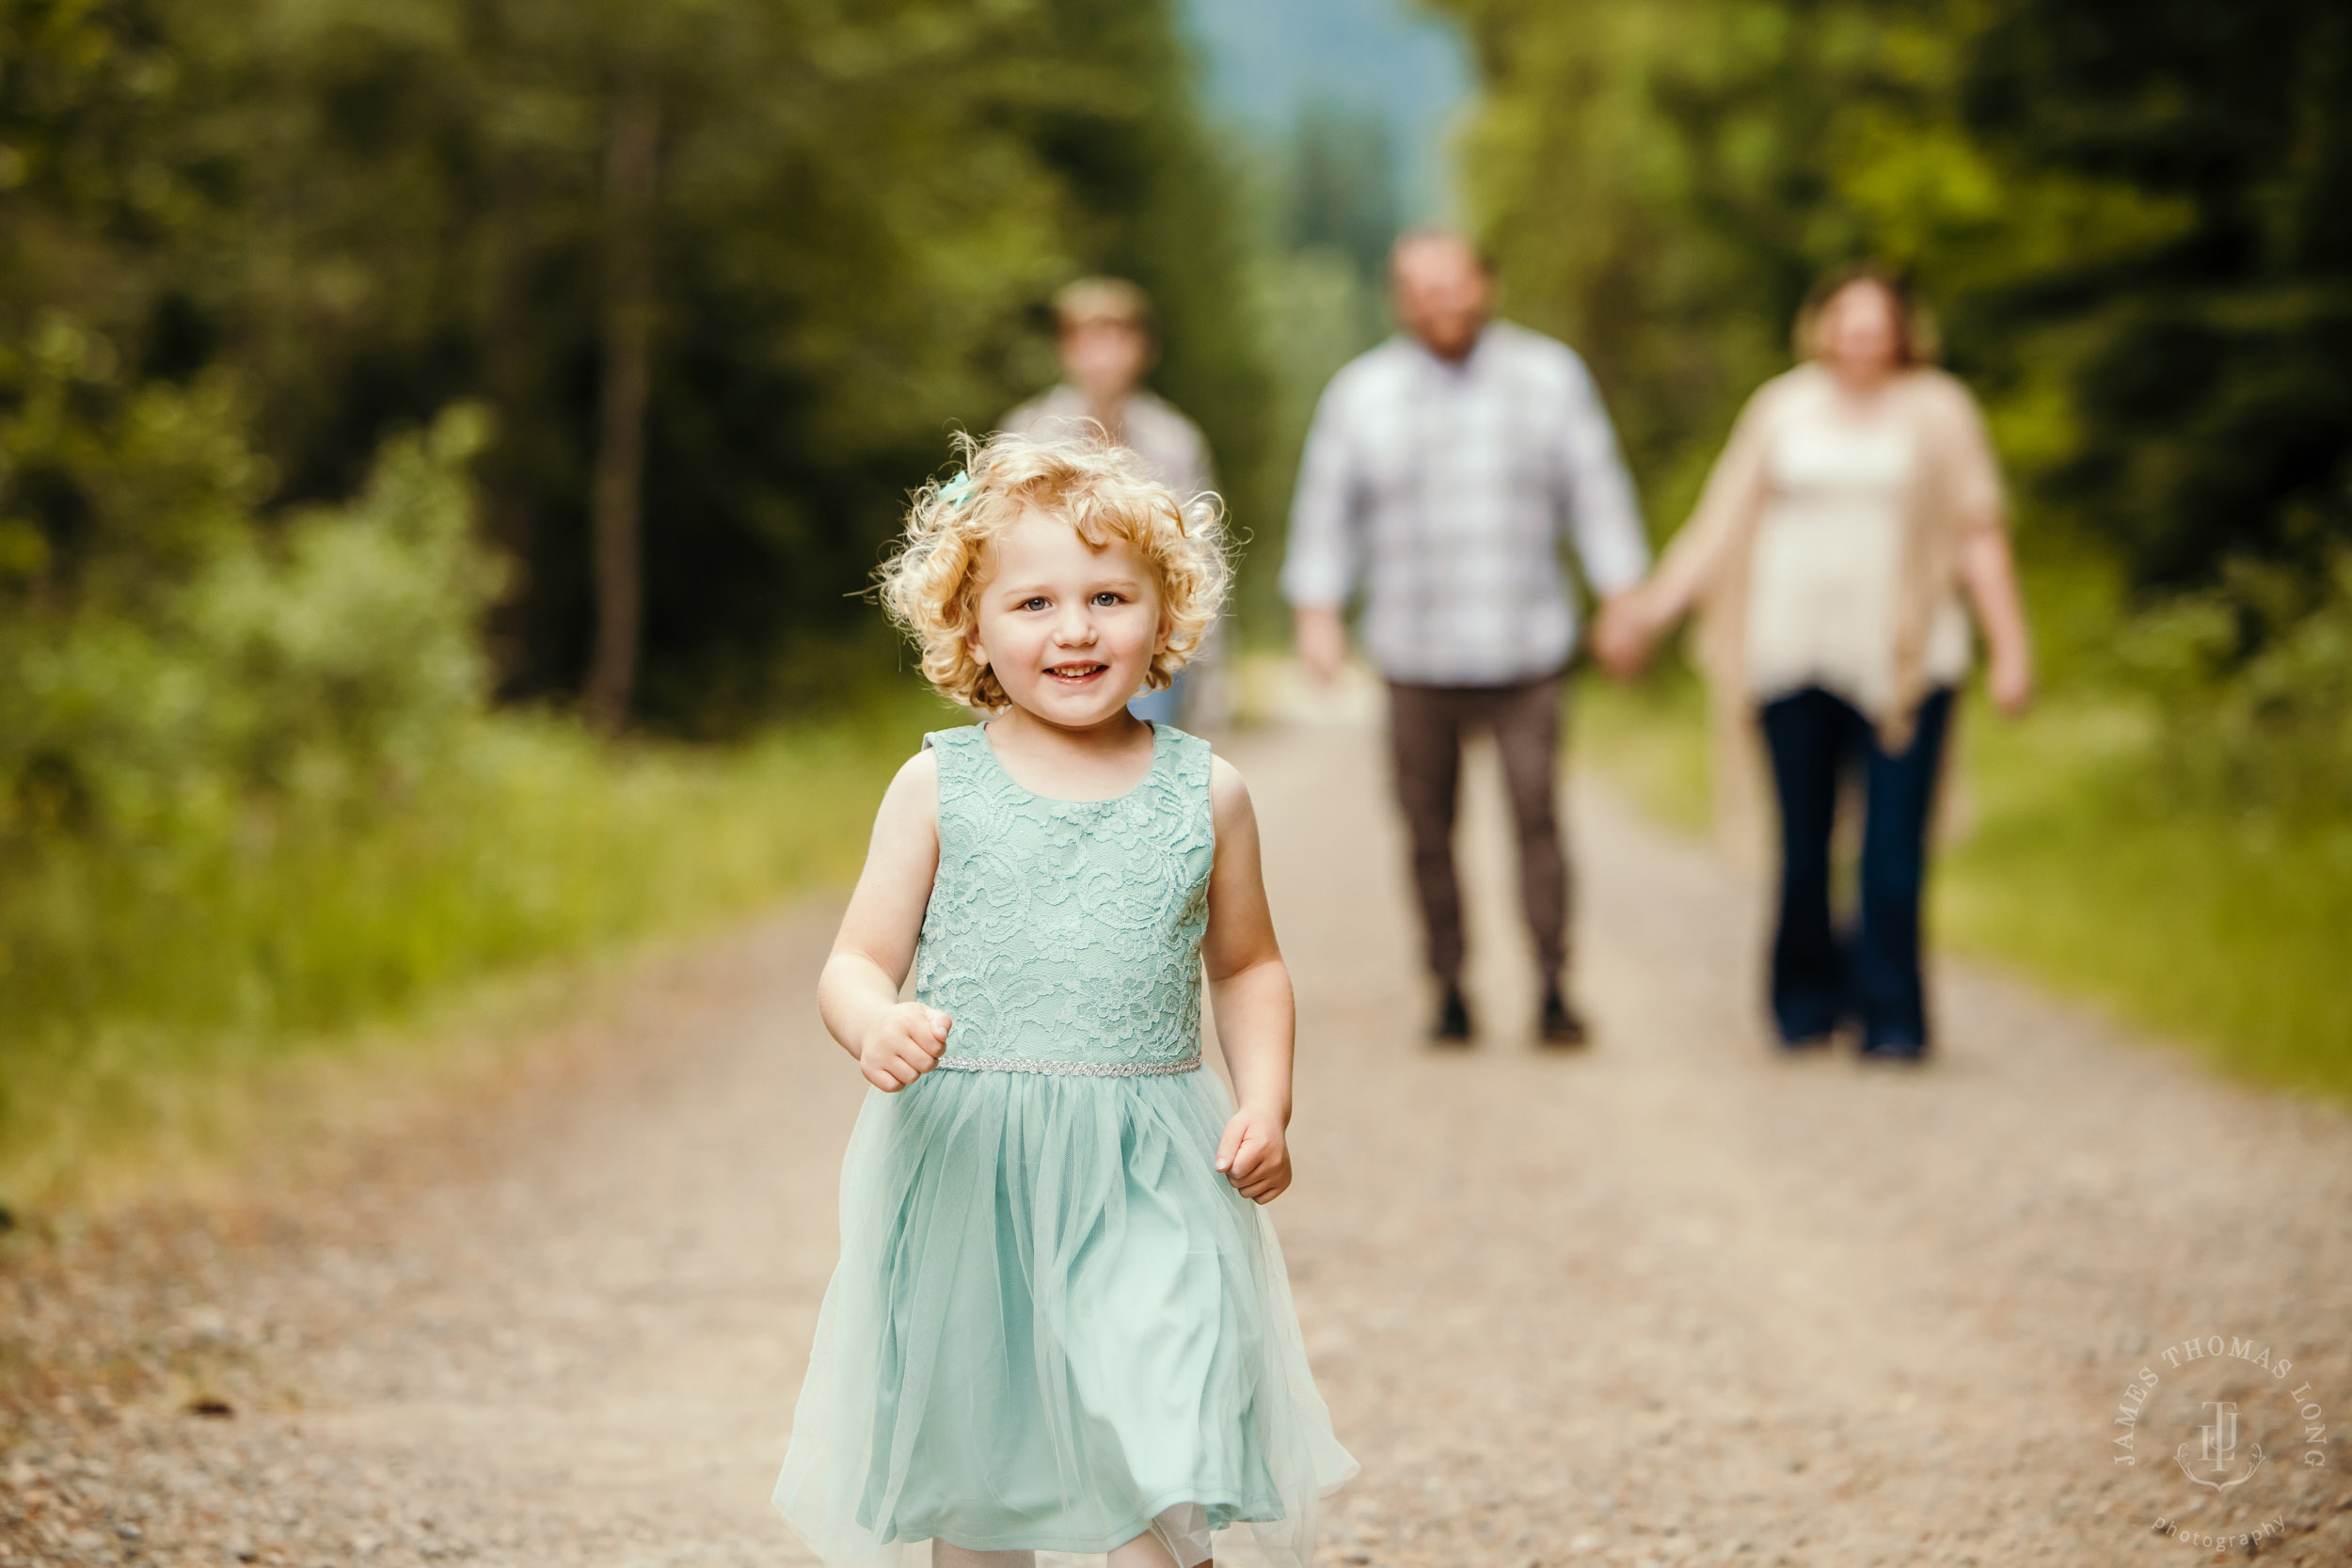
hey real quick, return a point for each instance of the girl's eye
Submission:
(1038, 603)
(1106, 597)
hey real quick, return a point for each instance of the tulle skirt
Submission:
(1055, 1327)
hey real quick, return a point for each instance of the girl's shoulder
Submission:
(1220, 782)
(911, 804)
(1229, 791)
(955, 742)
(1183, 756)
(960, 753)
(922, 767)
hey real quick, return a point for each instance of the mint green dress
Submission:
(1056, 1325)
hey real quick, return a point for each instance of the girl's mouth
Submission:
(1076, 674)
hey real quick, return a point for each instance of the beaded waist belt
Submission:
(1082, 1069)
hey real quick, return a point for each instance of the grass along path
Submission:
(160, 1008)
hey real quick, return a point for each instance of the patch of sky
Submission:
(1272, 66)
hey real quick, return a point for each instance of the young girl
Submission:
(1059, 1322)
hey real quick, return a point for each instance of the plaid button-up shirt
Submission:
(1445, 493)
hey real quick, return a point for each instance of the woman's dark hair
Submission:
(1914, 328)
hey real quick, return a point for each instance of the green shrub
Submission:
(184, 660)
(252, 798)
(2205, 923)
(143, 989)
(2253, 677)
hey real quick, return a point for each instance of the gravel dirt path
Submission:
(1667, 1300)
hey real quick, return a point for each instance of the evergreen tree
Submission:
(2210, 368)
(736, 267)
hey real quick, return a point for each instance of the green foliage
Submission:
(251, 796)
(1340, 188)
(173, 664)
(2222, 930)
(1325, 211)
(368, 212)
(2269, 729)
(1652, 178)
(2130, 216)
(2209, 364)
(150, 1000)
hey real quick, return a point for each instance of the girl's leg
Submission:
(947, 1555)
(1145, 1551)
(1184, 1530)
(1179, 1538)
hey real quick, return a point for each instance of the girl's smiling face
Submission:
(1069, 629)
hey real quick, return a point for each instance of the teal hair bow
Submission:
(957, 490)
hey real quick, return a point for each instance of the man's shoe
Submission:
(1559, 1025)
(1453, 1021)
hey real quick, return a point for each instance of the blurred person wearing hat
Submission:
(1448, 473)
(1105, 335)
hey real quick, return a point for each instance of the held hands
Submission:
(1255, 1155)
(904, 1041)
(1627, 631)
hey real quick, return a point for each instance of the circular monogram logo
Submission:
(2223, 1423)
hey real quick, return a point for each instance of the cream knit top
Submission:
(1824, 582)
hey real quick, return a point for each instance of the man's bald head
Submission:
(1442, 290)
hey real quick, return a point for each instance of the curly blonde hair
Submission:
(931, 584)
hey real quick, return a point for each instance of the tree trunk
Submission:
(629, 168)
(511, 372)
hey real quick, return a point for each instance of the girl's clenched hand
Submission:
(904, 1042)
(1255, 1154)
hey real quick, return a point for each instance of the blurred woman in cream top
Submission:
(1824, 587)
(1854, 514)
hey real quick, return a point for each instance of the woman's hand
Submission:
(1990, 574)
(2009, 680)
(1255, 1154)
(904, 1041)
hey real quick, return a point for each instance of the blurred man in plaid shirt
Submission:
(1445, 471)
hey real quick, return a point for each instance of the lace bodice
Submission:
(1065, 935)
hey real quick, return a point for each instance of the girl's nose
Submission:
(1075, 627)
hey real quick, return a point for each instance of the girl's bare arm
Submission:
(1249, 989)
(894, 1042)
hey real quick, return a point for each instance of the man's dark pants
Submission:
(1819, 981)
(1427, 725)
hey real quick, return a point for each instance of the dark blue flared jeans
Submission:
(1822, 976)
